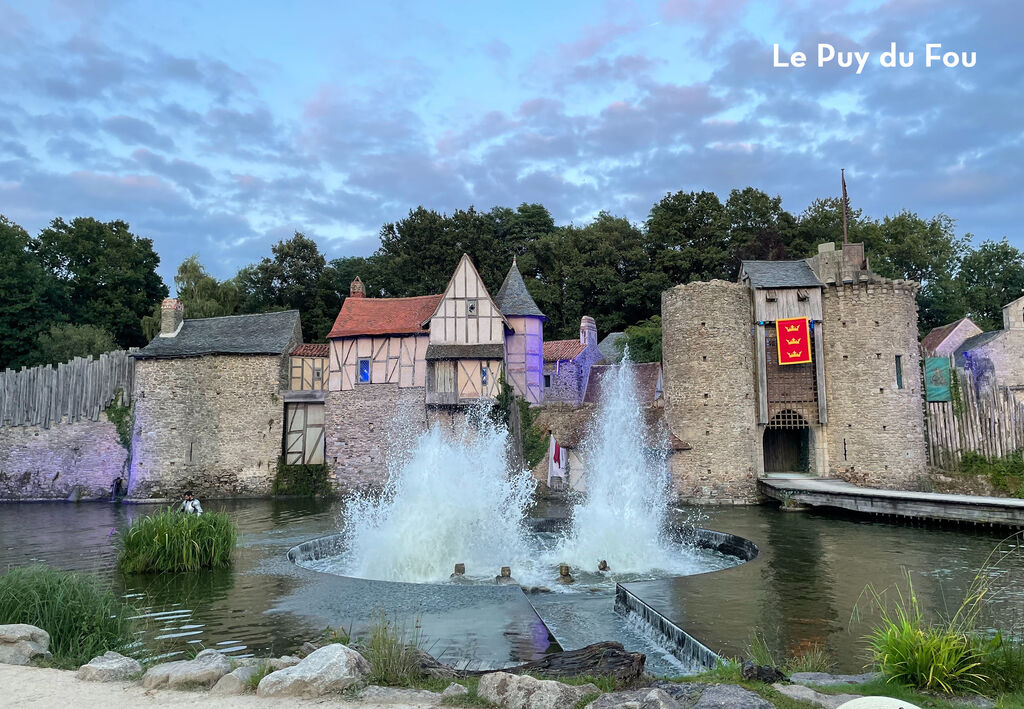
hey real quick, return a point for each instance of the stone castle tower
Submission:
(852, 412)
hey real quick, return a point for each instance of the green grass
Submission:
(392, 649)
(83, 617)
(1006, 474)
(262, 670)
(172, 541)
(813, 658)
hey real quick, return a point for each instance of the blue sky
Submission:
(219, 128)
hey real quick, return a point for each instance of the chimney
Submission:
(356, 289)
(588, 330)
(172, 313)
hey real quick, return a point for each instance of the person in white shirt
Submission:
(190, 505)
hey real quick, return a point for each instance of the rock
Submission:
(236, 681)
(332, 668)
(431, 667)
(207, 667)
(525, 692)
(21, 643)
(646, 698)
(110, 667)
(454, 690)
(825, 679)
(977, 702)
(397, 695)
(729, 696)
(308, 649)
(686, 693)
(761, 673)
(806, 694)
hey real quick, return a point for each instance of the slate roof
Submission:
(261, 333)
(937, 335)
(384, 316)
(513, 298)
(609, 347)
(780, 274)
(310, 350)
(465, 351)
(562, 350)
(972, 343)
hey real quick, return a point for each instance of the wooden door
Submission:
(304, 435)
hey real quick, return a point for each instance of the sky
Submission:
(220, 128)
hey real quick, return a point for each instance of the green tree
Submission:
(991, 276)
(201, 295)
(64, 342)
(759, 228)
(28, 298)
(297, 277)
(643, 340)
(688, 238)
(105, 275)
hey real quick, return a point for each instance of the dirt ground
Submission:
(36, 687)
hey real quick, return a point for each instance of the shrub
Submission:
(302, 480)
(392, 651)
(83, 617)
(812, 658)
(1006, 474)
(172, 541)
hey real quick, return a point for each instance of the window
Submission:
(471, 307)
(364, 371)
(485, 374)
(899, 371)
(547, 381)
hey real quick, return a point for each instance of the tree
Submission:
(688, 237)
(201, 295)
(105, 275)
(643, 340)
(759, 228)
(991, 276)
(64, 342)
(28, 298)
(296, 278)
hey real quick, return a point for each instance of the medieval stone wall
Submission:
(366, 424)
(1003, 356)
(211, 424)
(566, 383)
(710, 399)
(65, 460)
(875, 432)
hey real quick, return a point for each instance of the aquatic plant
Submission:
(83, 617)
(172, 541)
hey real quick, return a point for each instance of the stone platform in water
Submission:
(962, 509)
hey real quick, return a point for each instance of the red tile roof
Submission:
(935, 338)
(384, 316)
(310, 350)
(562, 350)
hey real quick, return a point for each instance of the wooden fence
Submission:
(985, 418)
(76, 390)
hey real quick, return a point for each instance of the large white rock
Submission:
(110, 667)
(21, 643)
(806, 694)
(525, 692)
(207, 667)
(332, 668)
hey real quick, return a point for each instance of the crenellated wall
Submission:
(66, 460)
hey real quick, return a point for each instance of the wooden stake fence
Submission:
(988, 420)
(75, 390)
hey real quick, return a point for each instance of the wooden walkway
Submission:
(964, 509)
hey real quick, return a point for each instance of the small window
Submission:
(899, 371)
(485, 374)
(471, 307)
(364, 370)
(547, 381)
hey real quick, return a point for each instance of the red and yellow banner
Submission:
(794, 339)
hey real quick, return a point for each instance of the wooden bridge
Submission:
(797, 492)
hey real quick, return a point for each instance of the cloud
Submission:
(132, 131)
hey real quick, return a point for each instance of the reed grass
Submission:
(392, 649)
(172, 541)
(83, 617)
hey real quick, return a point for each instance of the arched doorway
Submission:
(787, 444)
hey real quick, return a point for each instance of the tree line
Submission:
(85, 286)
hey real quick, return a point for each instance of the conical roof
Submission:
(513, 298)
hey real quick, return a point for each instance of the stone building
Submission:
(849, 406)
(208, 410)
(567, 364)
(399, 364)
(944, 340)
(999, 354)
